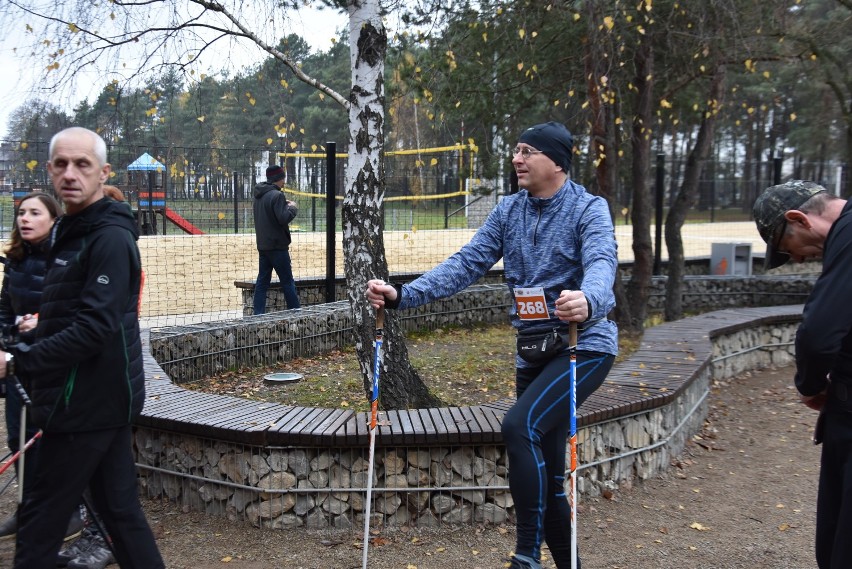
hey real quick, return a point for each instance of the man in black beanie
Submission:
(553, 140)
(272, 216)
(559, 256)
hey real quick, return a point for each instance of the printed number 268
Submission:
(536, 307)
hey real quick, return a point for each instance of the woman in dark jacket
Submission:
(20, 297)
(23, 278)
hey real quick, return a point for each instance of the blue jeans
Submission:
(278, 259)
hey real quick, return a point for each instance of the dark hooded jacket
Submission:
(272, 215)
(85, 367)
(22, 284)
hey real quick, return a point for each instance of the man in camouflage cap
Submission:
(800, 220)
(771, 211)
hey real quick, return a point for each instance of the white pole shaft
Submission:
(22, 441)
(369, 498)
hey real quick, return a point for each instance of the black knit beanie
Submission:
(554, 140)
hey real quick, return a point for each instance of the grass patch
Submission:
(461, 366)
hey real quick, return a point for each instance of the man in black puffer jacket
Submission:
(87, 380)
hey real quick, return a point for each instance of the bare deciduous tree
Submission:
(127, 39)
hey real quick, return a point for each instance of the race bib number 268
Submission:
(531, 304)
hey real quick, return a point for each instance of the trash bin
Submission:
(730, 259)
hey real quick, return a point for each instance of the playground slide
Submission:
(181, 222)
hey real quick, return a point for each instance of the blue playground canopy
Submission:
(146, 163)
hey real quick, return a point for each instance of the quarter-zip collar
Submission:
(539, 205)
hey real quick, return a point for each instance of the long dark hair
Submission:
(15, 249)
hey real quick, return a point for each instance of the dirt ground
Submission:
(742, 495)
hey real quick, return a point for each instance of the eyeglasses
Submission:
(777, 237)
(525, 152)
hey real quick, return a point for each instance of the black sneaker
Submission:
(9, 527)
(518, 564)
(98, 556)
(75, 549)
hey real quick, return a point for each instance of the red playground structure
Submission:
(152, 201)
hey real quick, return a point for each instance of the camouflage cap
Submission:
(769, 210)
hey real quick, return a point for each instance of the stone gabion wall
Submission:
(707, 293)
(189, 353)
(486, 194)
(316, 488)
(698, 284)
(754, 348)
(429, 485)
(641, 446)
(614, 452)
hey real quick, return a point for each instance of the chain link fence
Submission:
(193, 206)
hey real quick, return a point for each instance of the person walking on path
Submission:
(20, 296)
(273, 213)
(800, 220)
(558, 248)
(85, 366)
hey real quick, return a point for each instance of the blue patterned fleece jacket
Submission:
(566, 242)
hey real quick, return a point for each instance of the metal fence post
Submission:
(330, 192)
(234, 175)
(658, 207)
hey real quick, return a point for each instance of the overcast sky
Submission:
(18, 79)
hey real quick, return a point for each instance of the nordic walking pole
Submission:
(22, 447)
(22, 440)
(572, 491)
(374, 409)
(20, 452)
(22, 435)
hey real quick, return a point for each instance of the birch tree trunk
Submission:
(363, 244)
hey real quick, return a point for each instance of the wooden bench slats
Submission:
(284, 422)
(332, 425)
(429, 428)
(362, 429)
(417, 428)
(300, 431)
(337, 430)
(462, 424)
(489, 424)
(407, 428)
(314, 430)
(445, 431)
(668, 358)
(397, 434)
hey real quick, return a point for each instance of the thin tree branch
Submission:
(280, 56)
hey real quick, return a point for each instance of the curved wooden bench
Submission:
(669, 358)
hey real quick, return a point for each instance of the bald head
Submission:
(78, 168)
(99, 148)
